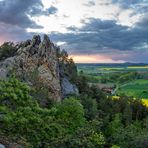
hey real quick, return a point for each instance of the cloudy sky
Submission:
(99, 31)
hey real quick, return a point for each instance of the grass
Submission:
(135, 88)
(109, 69)
(93, 79)
(112, 68)
(137, 67)
(95, 74)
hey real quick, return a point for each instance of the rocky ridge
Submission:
(38, 62)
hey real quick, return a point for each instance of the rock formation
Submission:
(37, 62)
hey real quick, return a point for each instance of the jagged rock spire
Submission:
(37, 62)
(36, 40)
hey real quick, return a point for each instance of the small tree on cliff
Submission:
(7, 50)
(67, 66)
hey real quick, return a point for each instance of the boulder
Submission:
(68, 88)
(2, 146)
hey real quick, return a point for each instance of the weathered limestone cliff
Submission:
(37, 63)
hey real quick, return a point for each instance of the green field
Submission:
(121, 76)
(135, 88)
(111, 68)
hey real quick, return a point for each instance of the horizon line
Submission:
(115, 63)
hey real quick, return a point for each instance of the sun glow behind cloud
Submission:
(2, 39)
(94, 59)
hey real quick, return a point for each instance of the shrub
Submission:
(7, 50)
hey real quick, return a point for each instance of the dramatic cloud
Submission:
(16, 17)
(12, 33)
(52, 10)
(98, 35)
(113, 30)
(15, 12)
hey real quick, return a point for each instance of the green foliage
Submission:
(71, 70)
(14, 93)
(93, 120)
(90, 107)
(127, 77)
(136, 88)
(125, 137)
(114, 125)
(97, 138)
(140, 141)
(82, 84)
(7, 50)
(88, 135)
(22, 118)
(70, 113)
(115, 146)
(127, 114)
(91, 78)
(67, 66)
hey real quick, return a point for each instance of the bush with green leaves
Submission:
(90, 107)
(89, 135)
(22, 119)
(70, 113)
(7, 50)
(92, 120)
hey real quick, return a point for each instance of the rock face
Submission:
(37, 61)
(5, 143)
(68, 88)
(2, 146)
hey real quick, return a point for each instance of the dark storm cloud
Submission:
(15, 12)
(143, 23)
(97, 25)
(14, 17)
(98, 35)
(36, 11)
(139, 6)
(128, 3)
(15, 33)
(136, 56)
(52, 10)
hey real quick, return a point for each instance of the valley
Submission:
(118, 79)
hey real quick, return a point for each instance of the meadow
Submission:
(136, 88)
(111, 68)
(129, 79)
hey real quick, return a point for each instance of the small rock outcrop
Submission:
(68, 88)
(38, 62)
(6, 143)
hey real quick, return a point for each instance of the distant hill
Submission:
(112, 64)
